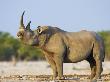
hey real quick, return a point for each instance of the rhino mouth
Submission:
(34, 41)
(19, 37)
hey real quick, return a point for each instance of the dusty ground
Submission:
(40, 71)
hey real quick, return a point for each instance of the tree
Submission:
(106, 36)
(8, 46)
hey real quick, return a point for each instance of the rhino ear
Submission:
(39, 30)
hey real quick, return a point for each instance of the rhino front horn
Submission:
(21, 21)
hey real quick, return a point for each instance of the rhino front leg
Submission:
(59, 64)
(53, 66)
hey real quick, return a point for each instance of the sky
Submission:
(69, 15)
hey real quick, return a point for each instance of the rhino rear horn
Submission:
(28, 25)
(21, 21)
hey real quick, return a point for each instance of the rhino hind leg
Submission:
(99, 68)
(97, 56)
(92, 63)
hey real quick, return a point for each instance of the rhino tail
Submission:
(99, 50)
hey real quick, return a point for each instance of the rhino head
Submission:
(25, 34)
(30, 37)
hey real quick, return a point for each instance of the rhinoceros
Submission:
(60, 47)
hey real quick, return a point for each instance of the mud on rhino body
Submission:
(60, 47)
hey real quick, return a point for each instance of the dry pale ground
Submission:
(36, 68)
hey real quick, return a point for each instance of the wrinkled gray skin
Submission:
(61, 47)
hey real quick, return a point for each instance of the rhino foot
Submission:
(60, 78)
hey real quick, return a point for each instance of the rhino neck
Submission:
(43, 40)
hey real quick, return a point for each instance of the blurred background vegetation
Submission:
(12, 49)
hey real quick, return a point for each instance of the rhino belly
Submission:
(76, 56)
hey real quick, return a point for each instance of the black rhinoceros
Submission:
(60, 47)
